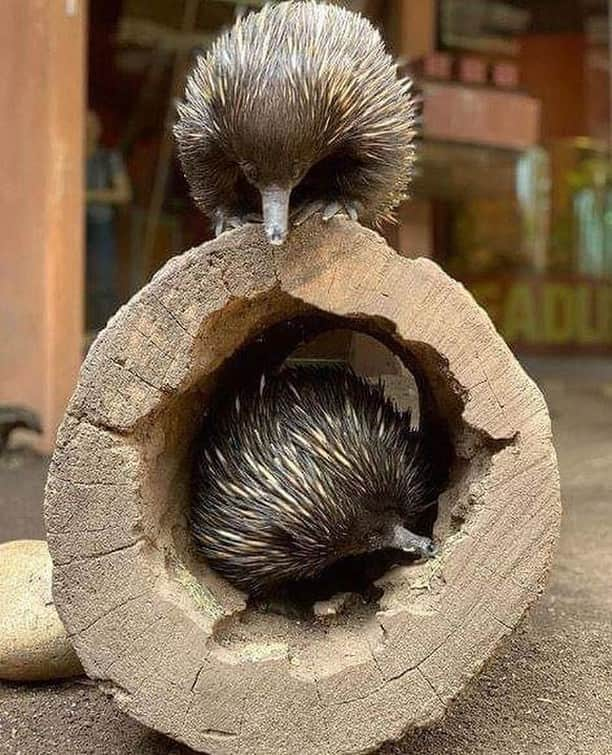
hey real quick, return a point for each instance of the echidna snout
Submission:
(275, 209)
(307, 467)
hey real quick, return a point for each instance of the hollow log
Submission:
(178, 647)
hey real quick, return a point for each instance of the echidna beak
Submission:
(275, 207)
(407, 541)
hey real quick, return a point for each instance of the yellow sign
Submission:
(549, 312)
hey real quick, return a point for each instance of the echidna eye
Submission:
(250, 171)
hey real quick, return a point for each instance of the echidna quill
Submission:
(307, 467)
(297, 109)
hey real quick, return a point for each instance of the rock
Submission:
(335, 605)
(33, 642)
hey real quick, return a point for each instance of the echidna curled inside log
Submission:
(297, 109)
(308, 466)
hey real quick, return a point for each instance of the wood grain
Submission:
(162, 633)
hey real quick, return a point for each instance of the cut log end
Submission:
(162, 632)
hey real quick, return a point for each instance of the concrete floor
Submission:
(548, 691)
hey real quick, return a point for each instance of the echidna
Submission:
(298, 108)
(307, 467)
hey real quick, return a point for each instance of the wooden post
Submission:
(42, 55)
(411, 28)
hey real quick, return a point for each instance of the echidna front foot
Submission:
(341, 207)
(230, 222)
(328, 209)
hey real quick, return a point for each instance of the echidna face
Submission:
(275, 182)
(382, 524)
(376, 530)
(275, 147)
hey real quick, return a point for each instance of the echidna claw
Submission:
(306, 211)
(231, 222)
(346, 207)
(328, 210)
(332, 209)
(234, 222)
(227, 224)
(353, 210)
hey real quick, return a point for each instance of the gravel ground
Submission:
(548, 691)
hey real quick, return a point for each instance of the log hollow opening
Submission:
(424, 376)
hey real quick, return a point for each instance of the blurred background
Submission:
(513, 194)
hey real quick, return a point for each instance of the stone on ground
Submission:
(34, 645)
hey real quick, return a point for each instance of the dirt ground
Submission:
(548, 691)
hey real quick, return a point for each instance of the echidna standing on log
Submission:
(297, 109)
(307, 467)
